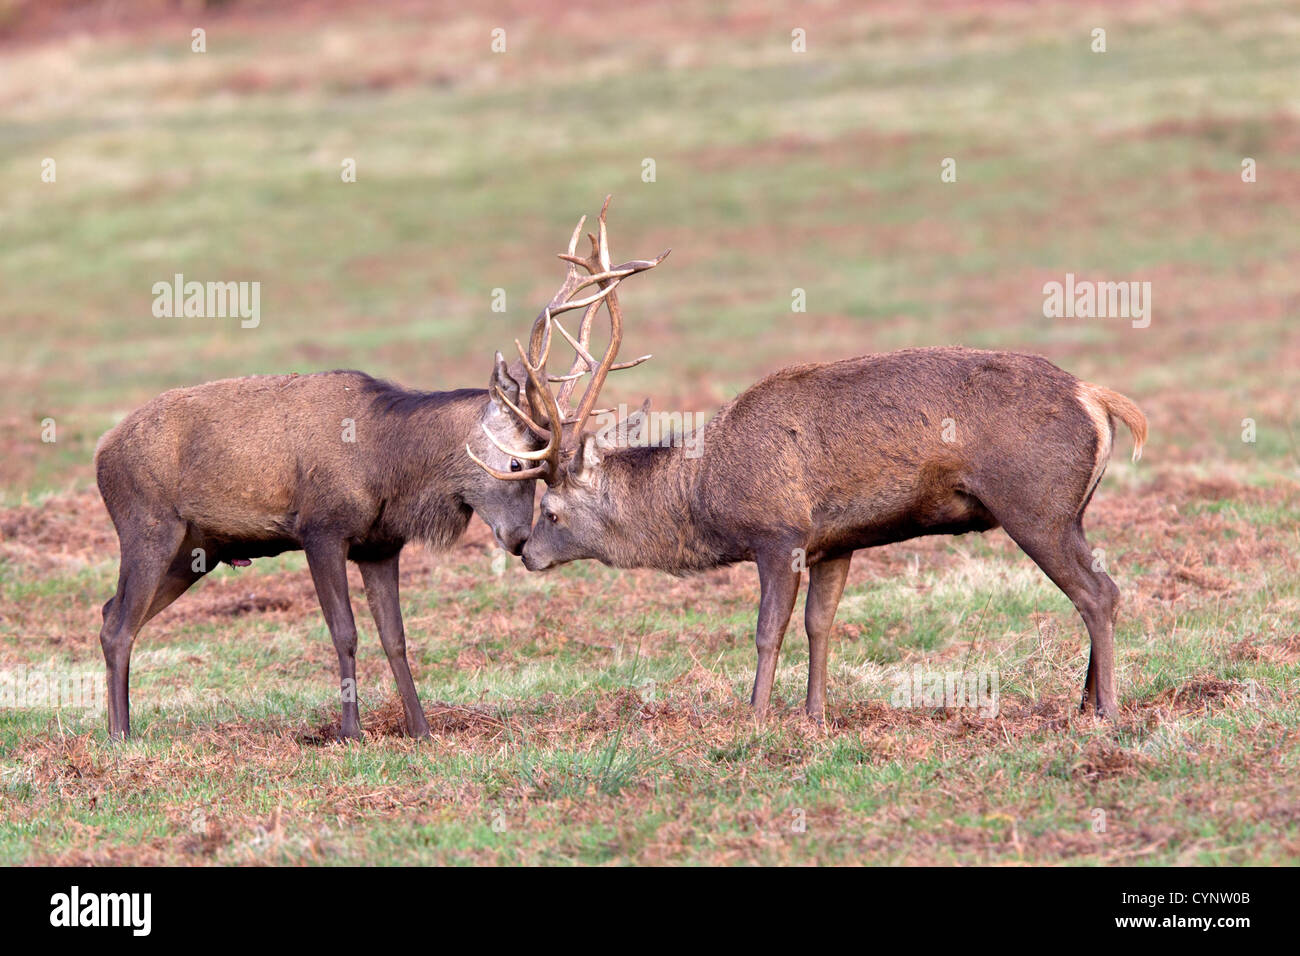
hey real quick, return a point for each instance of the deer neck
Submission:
(654, 489)
(426, 470)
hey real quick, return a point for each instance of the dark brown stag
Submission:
(336, 464)
(817, 461)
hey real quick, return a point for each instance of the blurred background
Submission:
(773, 170)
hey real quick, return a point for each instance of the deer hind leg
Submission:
(825, 587)
(1064, 556)
(328, 562)
(1099, 688)
(180, 577)
(148, 551)
(380, 578)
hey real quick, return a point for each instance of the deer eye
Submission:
(514, 465)
(551, 516)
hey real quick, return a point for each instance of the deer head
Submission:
(505, 506)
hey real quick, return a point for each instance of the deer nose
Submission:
(533, 563)
(515, 539)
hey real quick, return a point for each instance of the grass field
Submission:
(600, 716)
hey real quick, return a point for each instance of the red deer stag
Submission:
(337, 464)
(817, 461)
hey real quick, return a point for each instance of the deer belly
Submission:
(237, 516)
(952, 513)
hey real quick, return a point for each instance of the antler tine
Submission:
(540, 430)
(594, 411)
(601, 371)
(599, 259)
(539, 340)
(548, 412)
(600, 255)
(548, 457)
(582, 361)
(603, 248)
(598, 263)
(540, 471)
(537, 378)
(609, 279)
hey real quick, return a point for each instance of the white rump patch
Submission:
(1105, 433)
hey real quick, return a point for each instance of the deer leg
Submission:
(1099, 609)
(825, 586)
(172, 586)
(1099, 688)
(1065, 557)
(146, 554)
(779, 586)
(180, 577)
(1089, 685)
(329, 572)
(381, 594)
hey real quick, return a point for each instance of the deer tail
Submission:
(1114, 405)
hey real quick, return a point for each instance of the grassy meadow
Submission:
(597, 716)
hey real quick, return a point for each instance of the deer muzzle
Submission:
(512, 539)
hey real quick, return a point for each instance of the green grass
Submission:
(584, 760)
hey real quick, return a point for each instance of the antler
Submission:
(548, 456)
(549, 413)
(597, 264)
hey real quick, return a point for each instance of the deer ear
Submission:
(636, 423)
(501, 380)
(627, 433)
(586, 457)
(607, 437)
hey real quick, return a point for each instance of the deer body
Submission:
(818, 461)
(337, 464)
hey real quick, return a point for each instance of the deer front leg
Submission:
(779, 585)
(329, 572)
(825, 586)
(385, 607)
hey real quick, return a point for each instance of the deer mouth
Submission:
(512, 541)
(532, 564)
